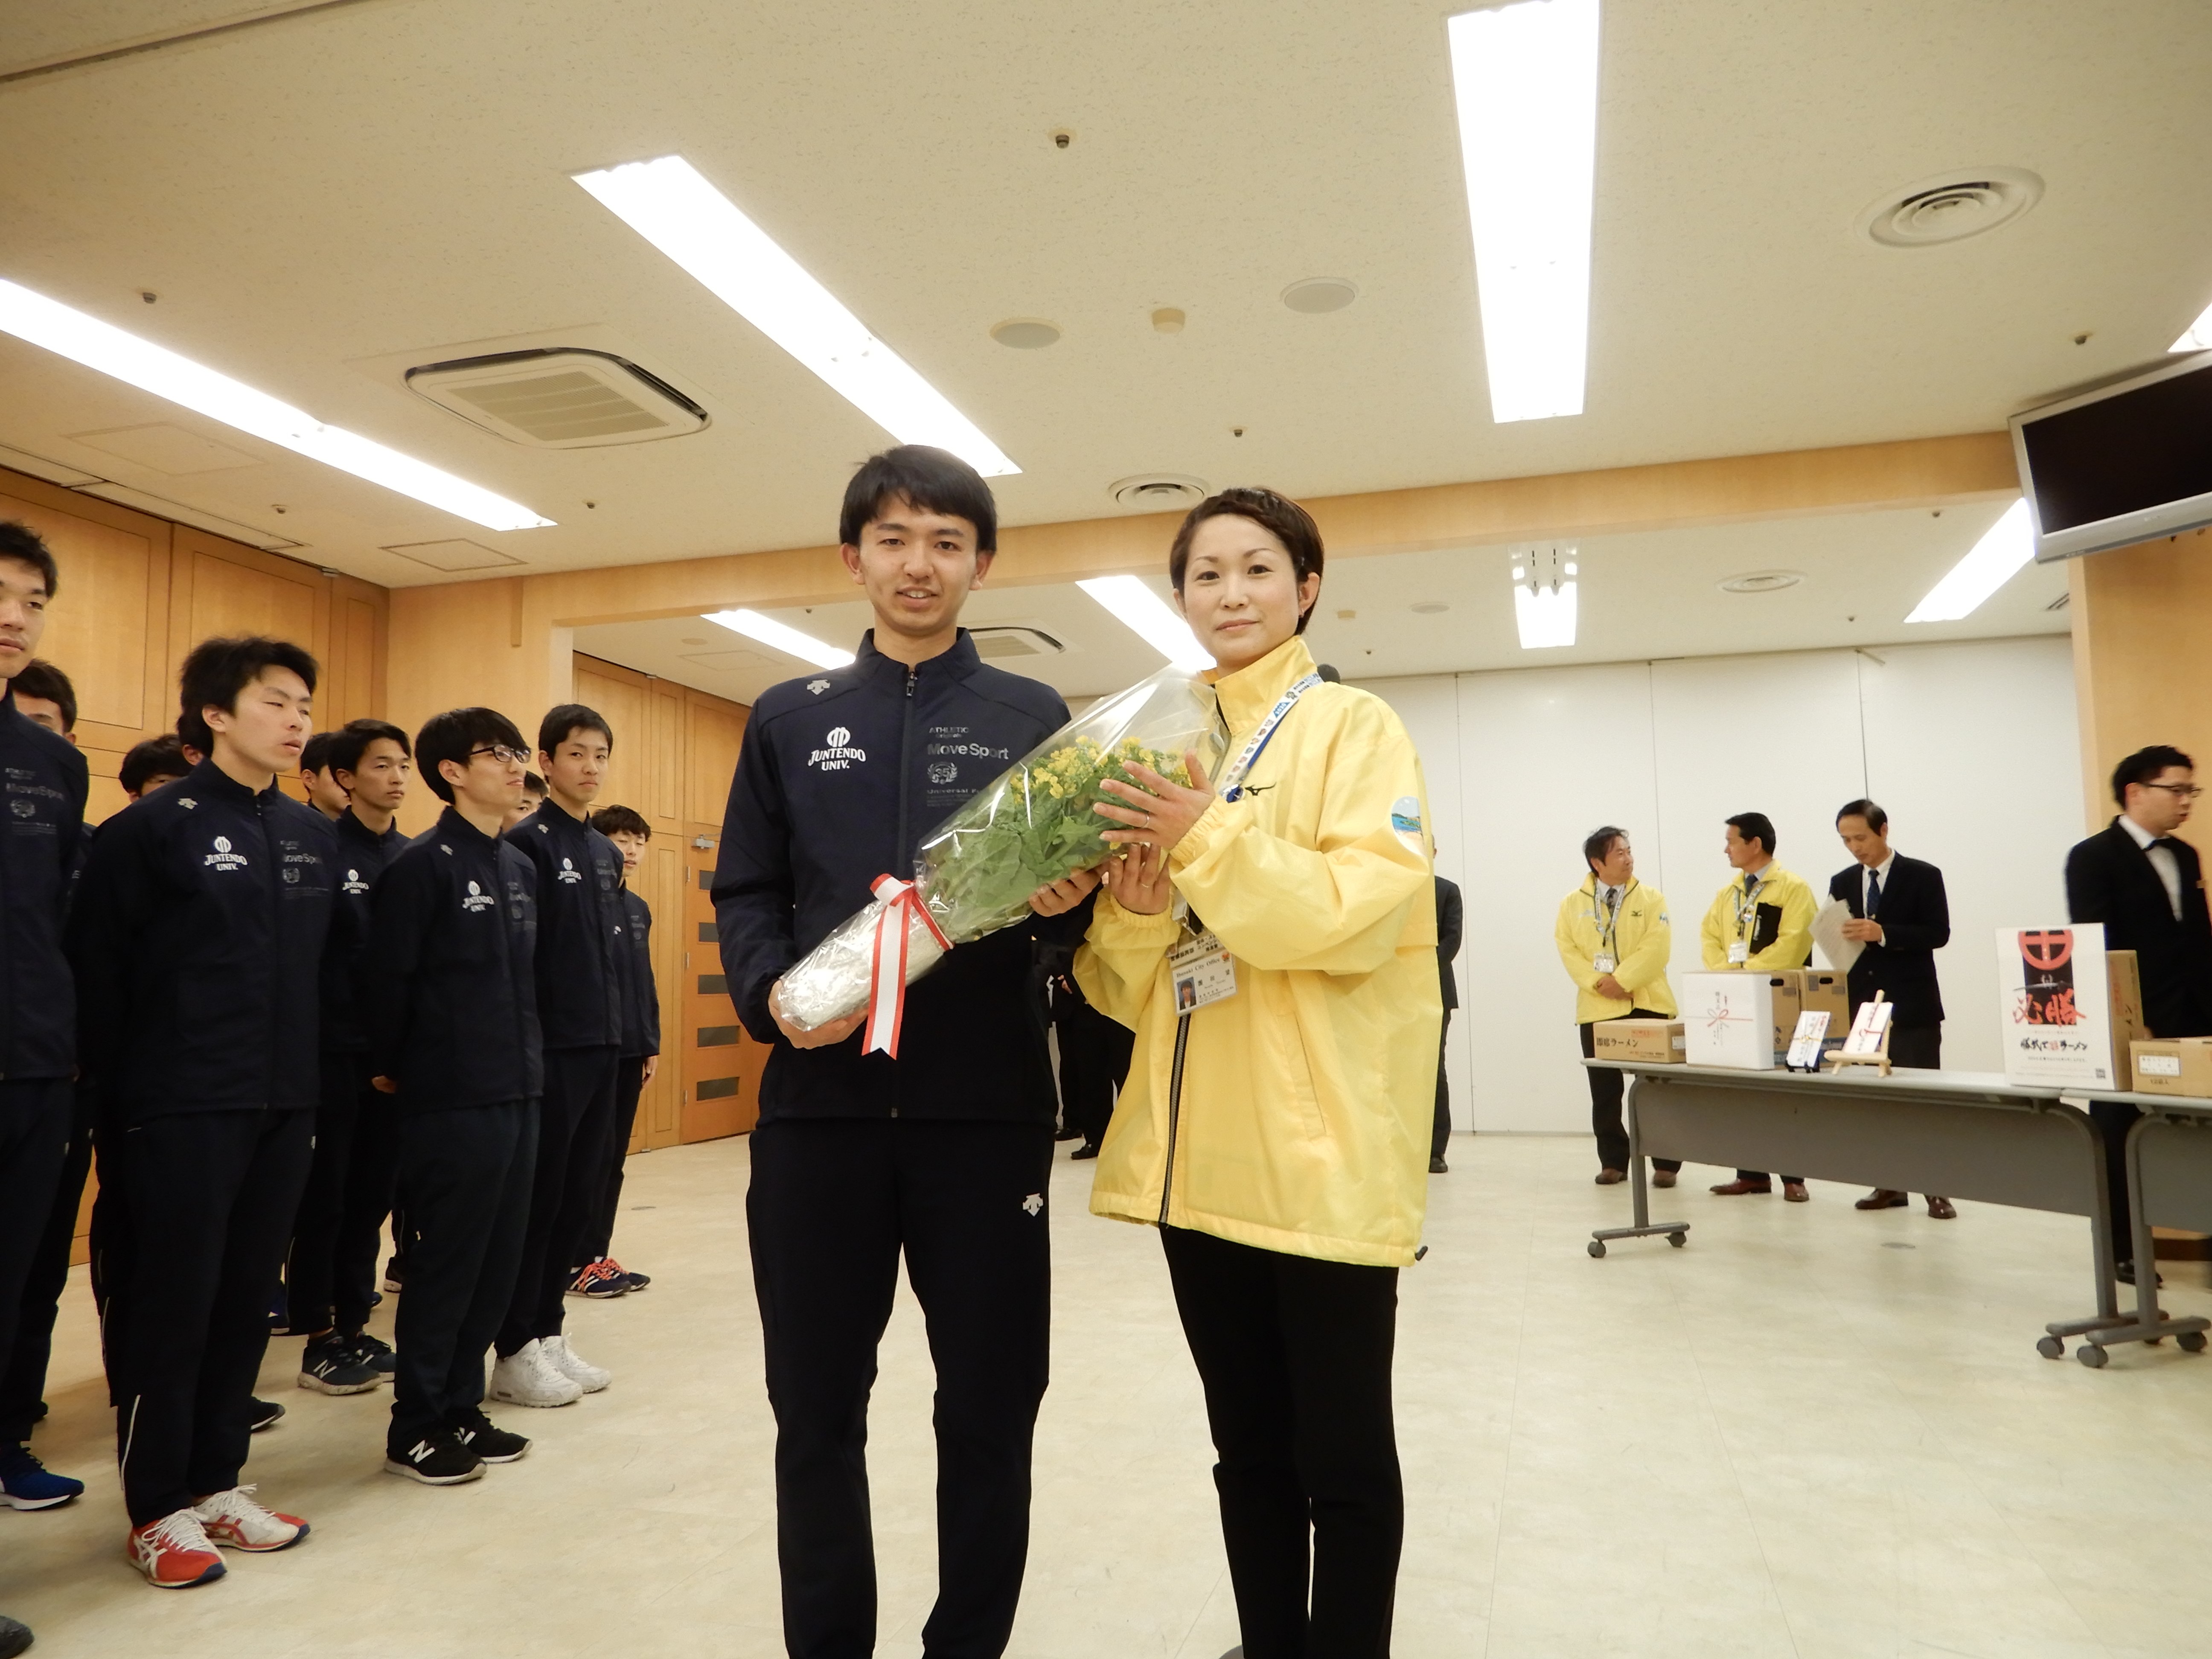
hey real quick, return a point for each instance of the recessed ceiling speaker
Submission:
(1318, 294)
(1761, 581)
(1951, 208)
(559, 397)
(1158, 492)
(1026, 333)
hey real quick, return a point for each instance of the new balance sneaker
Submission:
(573, 1365)
(234, 1522)
(174, 1553)
(599, 1281)
(331, 1364)
(261, 1415)
(28, 1484)
(473, 1432)
(635, 1281)
(374, 1352)
(526, 1377)
(437, 1459)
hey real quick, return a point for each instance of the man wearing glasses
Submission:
(2146, 886)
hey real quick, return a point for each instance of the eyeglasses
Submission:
(2179, 791)
(500, 752)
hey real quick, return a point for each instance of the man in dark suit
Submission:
(1448, 928)
(1900, 917)
(2147, 888)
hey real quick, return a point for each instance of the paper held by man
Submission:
(1032, 826)
(1838, 953)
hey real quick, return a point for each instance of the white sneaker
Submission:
(567, 1361)
(526, 1377)
(234, 1522)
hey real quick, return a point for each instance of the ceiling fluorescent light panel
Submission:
(779, 637)
(1992, 562)
(669, 203)
(1526, 80)
(86, 340)
(1148, 616)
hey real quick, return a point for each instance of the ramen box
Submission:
(1728, 1019)
(1649, 1042)
(2066, 1010)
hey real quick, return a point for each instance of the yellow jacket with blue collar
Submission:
(1738, 913)
(1641, 940)
(1295, 1115)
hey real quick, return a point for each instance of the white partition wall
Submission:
(1971, 747)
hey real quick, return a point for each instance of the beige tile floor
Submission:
(1813, 1432)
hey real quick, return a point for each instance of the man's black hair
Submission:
(533, 785)
(621, 821)
(1327, 671)
(564, 722)
(454, 736)
(21, 543)
(351, 742)
(217, 670)
(156, 757)
(932, 480)
(1755, 826)
(2142, 766)
(1597, 845)
(40, 678)
(315, 753)
(1876, 819)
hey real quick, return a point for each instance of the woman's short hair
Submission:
(1279, 515)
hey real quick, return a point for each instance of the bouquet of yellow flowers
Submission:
(1031, 826)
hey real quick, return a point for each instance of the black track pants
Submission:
(600, 1238)
(834, 1201)
(330, 1277)
(574, 1124)
(34, 1147)
(1606, 1089)
(468, 1173)
(210, 1198)
(1295, 1356)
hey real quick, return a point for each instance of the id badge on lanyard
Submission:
(1746, 912)
(1203, 971)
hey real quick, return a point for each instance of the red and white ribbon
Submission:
(887, 961)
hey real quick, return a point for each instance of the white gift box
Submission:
(1728, 1019)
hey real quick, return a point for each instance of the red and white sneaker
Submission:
(174, 1552)
(236, 1522)
(599, 1281)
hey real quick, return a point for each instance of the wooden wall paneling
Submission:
(715, 728)
(221, 586)
(664, 751)
(2142, 661)
(623, 696)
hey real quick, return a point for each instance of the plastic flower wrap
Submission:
(1031, 826)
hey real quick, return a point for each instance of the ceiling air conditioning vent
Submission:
(992, 642)
(559, 397)
(1157, 492)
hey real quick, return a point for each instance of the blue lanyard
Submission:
(1233, 780)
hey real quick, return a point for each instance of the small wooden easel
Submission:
(1880, 1057)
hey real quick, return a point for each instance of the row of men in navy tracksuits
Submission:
(480, 988)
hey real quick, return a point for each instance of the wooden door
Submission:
(722, 1064)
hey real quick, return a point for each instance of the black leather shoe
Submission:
(1086, 1150)
(2125, 1273)
(1437, 1166)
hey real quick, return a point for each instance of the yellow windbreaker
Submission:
(1725, 924)
(1296, 1117)
(1642, 937)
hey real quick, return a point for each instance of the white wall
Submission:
(1972, 748)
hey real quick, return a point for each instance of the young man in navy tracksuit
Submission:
(330, 1277)
(450, 990)
(43, 785)
(581, 945)
(597, 1274)
(197, 938)
(944, 1153)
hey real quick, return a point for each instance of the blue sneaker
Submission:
(374, 1352)
(28, 1484)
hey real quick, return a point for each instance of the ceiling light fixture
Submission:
(779, 637)
(2199, 335)
(1544, 603)
(1992, 562)
(1145, 614)
(85, 339)
(1525, 77)
(669, 203)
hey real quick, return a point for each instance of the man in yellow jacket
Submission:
(1762, 920)
(1614, 938)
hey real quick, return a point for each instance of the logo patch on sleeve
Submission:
(1406, 822)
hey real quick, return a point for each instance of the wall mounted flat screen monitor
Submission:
(2123, 464)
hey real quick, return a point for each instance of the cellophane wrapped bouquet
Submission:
(1033, 825)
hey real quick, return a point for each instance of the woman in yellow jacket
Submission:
(1273, 946)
